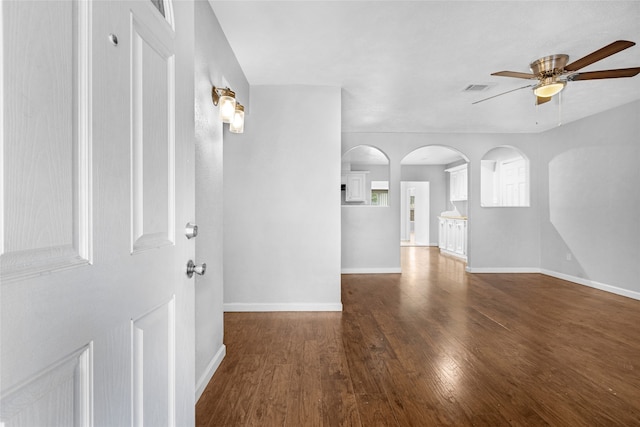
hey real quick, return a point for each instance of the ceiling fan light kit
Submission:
(553, 72)
(549, 87)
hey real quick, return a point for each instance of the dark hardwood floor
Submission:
(435, 346)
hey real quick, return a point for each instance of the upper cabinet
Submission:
(504, 178)
(355, 187)
(458, 183)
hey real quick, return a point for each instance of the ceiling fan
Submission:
(552, 72)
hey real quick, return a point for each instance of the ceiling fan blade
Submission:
(514, 74)
(503, 93)
(606, 74)
(542, 99)
(599, 54)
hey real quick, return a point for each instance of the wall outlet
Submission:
(569, 256)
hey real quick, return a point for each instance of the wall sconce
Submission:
(230, 111)
(237, 123)
(226, 98)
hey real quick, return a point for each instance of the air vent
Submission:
(476, 88)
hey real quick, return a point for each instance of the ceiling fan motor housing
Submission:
(549, 66)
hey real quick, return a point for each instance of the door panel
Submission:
(153, 143)
(153, 338)
(97, 136)
(66, 385)
(46, 228)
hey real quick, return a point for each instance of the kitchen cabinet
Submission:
(460, 232)
(442, 233)
(356, 186)
(458, 183)
(453, 236)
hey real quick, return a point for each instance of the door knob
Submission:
(193, 268)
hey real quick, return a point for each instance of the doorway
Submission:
(414, 214)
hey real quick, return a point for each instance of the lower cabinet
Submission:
(453, 236)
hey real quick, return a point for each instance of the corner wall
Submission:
(590, 201)
(215, 64)
(282, 203)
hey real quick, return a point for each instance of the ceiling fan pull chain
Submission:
(560, 109)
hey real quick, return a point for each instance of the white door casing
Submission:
(97, 185)
(420, 191)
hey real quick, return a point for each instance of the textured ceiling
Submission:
(403, 65)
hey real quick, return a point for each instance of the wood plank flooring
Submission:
(435, 346)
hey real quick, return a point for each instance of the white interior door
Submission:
(97, 139)
(421, 213)
(420, 192)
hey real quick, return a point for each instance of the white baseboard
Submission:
(453, 254)
(593, 284)
(264, 307)
(578, 280)
(390, 270)
(502, 269)
(211, 369)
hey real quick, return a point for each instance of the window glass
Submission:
(159, 4)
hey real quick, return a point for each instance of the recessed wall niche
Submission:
(365, 177)
(504, 178)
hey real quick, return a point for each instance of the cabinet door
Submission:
(451, 235)
(462, 184)
(453, 186)
(458, 185)
(459, 239)
(356, 187)
(464, 237)
(442, 234)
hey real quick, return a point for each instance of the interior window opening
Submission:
(504, 178)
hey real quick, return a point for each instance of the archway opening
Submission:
(365, 177)
(438, 175)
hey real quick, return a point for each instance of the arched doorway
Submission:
(439, 174)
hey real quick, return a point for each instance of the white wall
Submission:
(215, 64)
(282, 202)
(500, 239)
(590, 200)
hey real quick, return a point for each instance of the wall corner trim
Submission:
(284, 306)
(593, 284)
(389, 270)
(212, 367)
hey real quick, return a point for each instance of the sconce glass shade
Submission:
(227, 107)
(225, 99)
(548, 87)
(237, 123)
